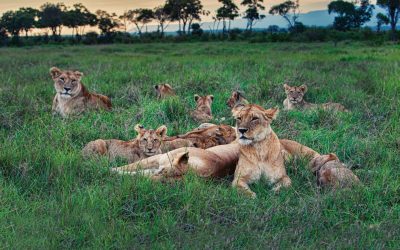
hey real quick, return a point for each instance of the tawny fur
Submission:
(72, 97)
(333, 173)
(261, 153)
(170, 144)
(203, 113)
(295, 100)
(236, 99)
(164, 90)
(146, 144)
(209, 136)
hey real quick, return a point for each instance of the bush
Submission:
(90, 38)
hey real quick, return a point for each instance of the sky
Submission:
(119, 6)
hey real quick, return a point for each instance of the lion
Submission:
(203, 113)
(210, 136)
(333, 173)
(261, 152)
(72, 96)
(164, 90)
(295, 100)
(236, 99)
(147, 143)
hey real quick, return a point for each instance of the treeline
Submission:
(50, 19)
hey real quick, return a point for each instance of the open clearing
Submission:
(51, 198)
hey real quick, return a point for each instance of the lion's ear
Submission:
(272, 113)
(78, 74)
(237, 108)
(182, 163)
(139, 129)
(168, 86)
(196, 97)
(55, 72)
(286, 87)
(211, 97)
(162, 131)
(303, 88)
(156, 87)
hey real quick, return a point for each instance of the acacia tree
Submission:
(381, 19)
(125, 20)
(140, 17)
(349, 15)
(27, 18)
(162, 16)
(228, 11)
(51, 16)
(185, 12)
(289, 10)
(393, 10)
(252, 13)
(10, 21)
(107, 22)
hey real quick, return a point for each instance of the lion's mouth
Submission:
(150, 152)
(66, 93)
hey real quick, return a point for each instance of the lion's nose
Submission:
(243, 130)
(67, 89)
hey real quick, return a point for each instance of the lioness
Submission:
(332, 173)
(164, 90)
(236, 99)
(72, 96)
(209, 136)
(147, 143)
(261, 153)
(295, 100)
(202, 113)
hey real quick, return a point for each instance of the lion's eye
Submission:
(254, 119)
(62, 79)
(292, 91)
(155, 140)
(144, 139)
(73, 82)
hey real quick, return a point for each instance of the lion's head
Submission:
(203, 101)
(67, 83)
(318, 162)
(235, 99)
(253, 122)
(295, 94)
(150, 140)
(163, 90)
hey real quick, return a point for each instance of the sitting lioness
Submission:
(164, 90)
(261, 152)
(147, 143)
(295, 100)
(236, 99)
(72, 96)
(202, 113)
(333, 173)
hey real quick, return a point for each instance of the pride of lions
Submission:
(250, 150)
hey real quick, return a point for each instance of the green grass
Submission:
(51, 198)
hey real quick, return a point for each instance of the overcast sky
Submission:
(120, 5)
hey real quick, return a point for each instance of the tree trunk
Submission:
(393, 28)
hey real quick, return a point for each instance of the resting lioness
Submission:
(236, 99)
(261, 153)
(164, 90)
(203, 113)
(295, 100)
(147, 143)
(72, 96)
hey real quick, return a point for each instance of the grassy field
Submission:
(51, 198)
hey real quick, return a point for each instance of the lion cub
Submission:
(72, 96)
(147, 143)
(261, 153)
(295, 100)
(332, 173)
(236, 99)
(202, 113)
(164, 90)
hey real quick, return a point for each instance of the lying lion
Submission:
(295, 100)
(72, 96)
(147, 143)
(203, 113)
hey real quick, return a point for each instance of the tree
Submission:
(125, 19)
(284, 9)
(140, 17)
(349, 15)
(27, 18)
(107, 22)
(381, 19)
(51, 16)
(196, 29)
(228, 10)
(162, 16)
(393, 10)
(252, 13)
(10, 21)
